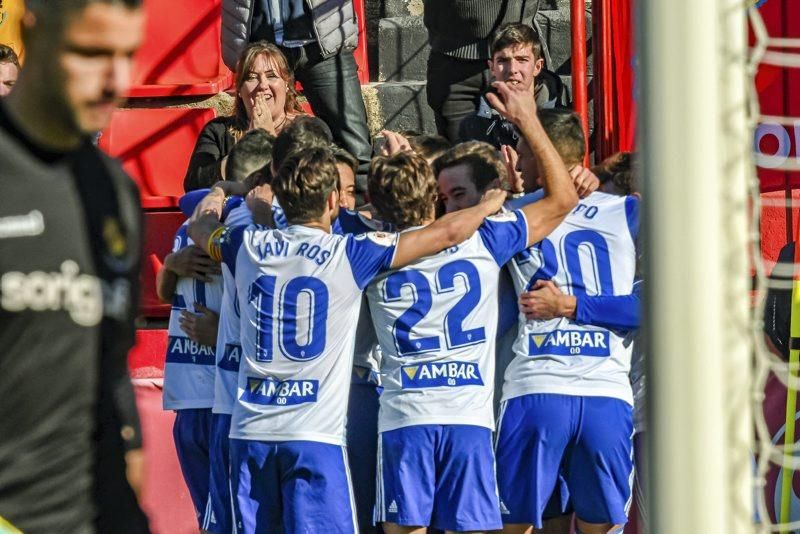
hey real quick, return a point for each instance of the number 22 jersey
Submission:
(299, 293)
(592, 252)
(436, 322)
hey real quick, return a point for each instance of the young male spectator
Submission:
(70, 254)
(436, 419)
(516, 59)
(9, 69)
(540, 440)
(318, 38)
(288, 461)
(459, 32)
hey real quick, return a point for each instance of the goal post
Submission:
(696, 141)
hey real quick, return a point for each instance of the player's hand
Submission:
(262, 117)
(586, 182)
(543, 302)
(192, 262)
(200, 327)
(514, 103)
(510, 158)
(259, 201)
(395, 143)
(493, 200)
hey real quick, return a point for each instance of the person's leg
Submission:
(332, 88)
(362, 450)
(220, 518)
(406, 477)
(316, 489)
(533, 434)
(255, 484)
(600, 471)
(191, 434)
(466, 486)
(454, 88)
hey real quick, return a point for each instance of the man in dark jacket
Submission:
(460, 32)
(318, 38)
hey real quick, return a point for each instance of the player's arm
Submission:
(205, 221)
(447, 231)
(519, 107)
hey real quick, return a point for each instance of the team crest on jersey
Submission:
(437, 374)
(570, 343)
(271, 392)
(506, 216)
(383, 239)
(231, 358)
(184, 350)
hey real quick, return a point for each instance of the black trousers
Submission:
(454, 90)
(332, 88)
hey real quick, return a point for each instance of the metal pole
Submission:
(580, 96)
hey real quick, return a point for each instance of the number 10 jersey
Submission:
(299, 292)
(592, 252)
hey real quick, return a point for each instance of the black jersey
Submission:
(70, 236)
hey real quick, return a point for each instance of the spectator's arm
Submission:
(207, 164)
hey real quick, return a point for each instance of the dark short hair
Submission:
(304, 131)
(429, 146)
(304, 181)
(402, 189)
(253, 152)
(345, 157)
(565, 130)
(7, 55)
(482, 159)
(516, 34)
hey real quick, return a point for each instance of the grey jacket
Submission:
(334, 22)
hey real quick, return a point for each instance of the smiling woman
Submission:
(265, 98)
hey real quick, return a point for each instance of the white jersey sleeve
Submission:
(229, 348)
(299, 294)
(592, 252)
(189, 366)
(436, 322)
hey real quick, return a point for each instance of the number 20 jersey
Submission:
(299, 293)
(592, 252)
(436, 322)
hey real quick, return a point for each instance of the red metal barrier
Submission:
(580, 96)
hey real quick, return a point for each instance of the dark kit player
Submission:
(70, 235)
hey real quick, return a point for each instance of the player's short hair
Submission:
(7, 55)
(482, 159)
(344, 157)
(304, 181)
(252, 153)
(52, 15)
(616, 171)
(302, 132)
(429, 147)
(516, 34)
(565, 130)
(402, 188)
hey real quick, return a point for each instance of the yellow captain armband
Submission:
(214, 245)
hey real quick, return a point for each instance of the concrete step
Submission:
(557, 33)
(403, 8)
(402, 49)
(398, 106)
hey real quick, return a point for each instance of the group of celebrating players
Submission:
(350, 382)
